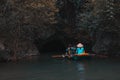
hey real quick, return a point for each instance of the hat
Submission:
(79, 45)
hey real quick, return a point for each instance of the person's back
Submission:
(80, 49)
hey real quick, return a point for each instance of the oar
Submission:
(58, 56)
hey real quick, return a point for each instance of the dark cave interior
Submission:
(57, 45)
(53, 46)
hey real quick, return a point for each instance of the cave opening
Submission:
(53, 46)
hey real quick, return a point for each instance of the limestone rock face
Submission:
(29, 27)
(107, 43)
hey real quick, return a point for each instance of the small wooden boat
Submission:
(84, 56)
(73, 57)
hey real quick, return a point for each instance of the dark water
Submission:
(52, 69)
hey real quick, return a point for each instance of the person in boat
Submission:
(73, 50)
(70, 51)
(80, 49)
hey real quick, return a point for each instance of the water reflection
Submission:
(59, 69)
(81, 70)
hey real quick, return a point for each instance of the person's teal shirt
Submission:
(79, 50)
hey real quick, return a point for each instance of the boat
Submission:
(84, 56)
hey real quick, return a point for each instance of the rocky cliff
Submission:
(31, 27)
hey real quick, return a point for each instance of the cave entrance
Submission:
(55, 45)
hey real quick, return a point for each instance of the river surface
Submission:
(46, 68)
